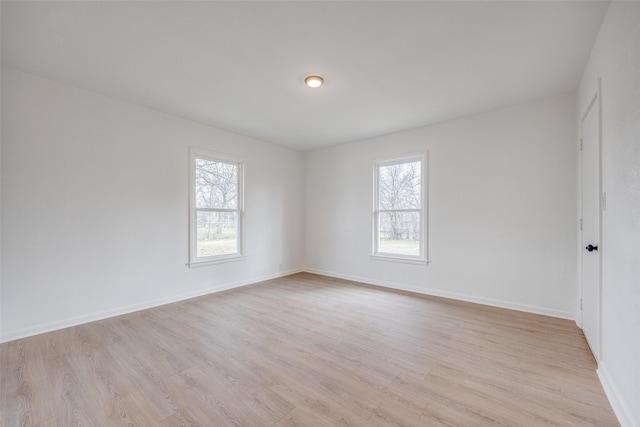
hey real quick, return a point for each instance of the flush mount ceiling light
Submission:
(314, 81)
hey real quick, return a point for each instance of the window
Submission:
(216, 208)
(398, 213)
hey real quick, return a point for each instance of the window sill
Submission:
(390, 258)
(221, 260)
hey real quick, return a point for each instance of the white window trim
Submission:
(422, 258)
(194, 259)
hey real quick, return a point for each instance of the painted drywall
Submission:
(616, 59)
(502, 208)
(0, 185)
(95, 207)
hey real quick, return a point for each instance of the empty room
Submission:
(320, 213)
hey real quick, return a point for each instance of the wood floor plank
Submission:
(306, 350)
(135, 410)
(215, 397)
(72, 406)
(443, 414)
(317, 405)
(389, 414)
(17, 388)
(195, 416)
(407, 392)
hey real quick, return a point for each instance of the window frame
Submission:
(194, 259)
(422, 257)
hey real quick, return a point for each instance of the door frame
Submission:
(595, 101)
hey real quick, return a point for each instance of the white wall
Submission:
(0, 185)
(95, 211)
(616, 58)
(502, 214)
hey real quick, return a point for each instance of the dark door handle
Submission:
(592, 248)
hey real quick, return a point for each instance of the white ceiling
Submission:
(240, 66)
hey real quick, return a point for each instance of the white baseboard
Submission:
(92, 317)
(620, 407)
(451, 295)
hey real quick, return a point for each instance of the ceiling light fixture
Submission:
(314, 81)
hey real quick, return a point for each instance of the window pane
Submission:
(217, 233)
(399, 233)
(216, 184)
(399, 186)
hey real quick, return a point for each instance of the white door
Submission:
(590, 303)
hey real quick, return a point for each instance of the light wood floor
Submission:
(306, 350)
